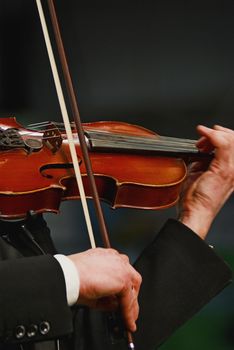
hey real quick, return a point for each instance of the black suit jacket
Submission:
(180, 274)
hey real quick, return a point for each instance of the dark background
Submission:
(165, 64)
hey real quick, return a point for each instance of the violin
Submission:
(133, 167)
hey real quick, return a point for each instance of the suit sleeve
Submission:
(181, 273)
(33, 304)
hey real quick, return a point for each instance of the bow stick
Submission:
(77, 120)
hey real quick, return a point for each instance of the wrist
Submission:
(198, 223)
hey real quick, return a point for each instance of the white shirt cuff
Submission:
(71, 276)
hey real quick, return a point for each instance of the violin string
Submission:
(140, 141)
(47, 123)
(107, 139)
(66, 121)
(126, 136)
(161, 139)
(153, 137)
(39, 125)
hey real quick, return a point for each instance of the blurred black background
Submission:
(165, 64)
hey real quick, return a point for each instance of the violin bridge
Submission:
(52, 138)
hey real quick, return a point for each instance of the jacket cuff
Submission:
(33, 304)
(181, 274)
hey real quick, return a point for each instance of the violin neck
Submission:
(102, 141)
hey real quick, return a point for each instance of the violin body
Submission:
(38, 179)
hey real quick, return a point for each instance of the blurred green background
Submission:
(164, 64)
